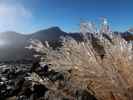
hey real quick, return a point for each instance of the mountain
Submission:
(12, 44)
(50, 34)
(128, 36)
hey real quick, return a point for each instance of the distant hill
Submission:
(127, 36)
(50, 34)
(12, 44)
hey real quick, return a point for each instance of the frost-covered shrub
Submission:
(106, 71)
(107, 78)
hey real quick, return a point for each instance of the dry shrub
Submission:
(108, 78)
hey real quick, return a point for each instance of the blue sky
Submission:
(27, 16)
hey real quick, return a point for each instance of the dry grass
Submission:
(108, 78)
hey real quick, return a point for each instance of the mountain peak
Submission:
(54, 28)
(50, 30)
(52, 33)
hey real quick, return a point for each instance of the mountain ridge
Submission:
(12, 44)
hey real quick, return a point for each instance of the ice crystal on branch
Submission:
(87, 28)
(104, 27)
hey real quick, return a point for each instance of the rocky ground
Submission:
(12, 77)
(35, 82)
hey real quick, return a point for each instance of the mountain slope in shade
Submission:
(127, 36)
(50, 34)
(12, 44)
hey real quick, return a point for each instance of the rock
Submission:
(84, 95)
(53, 76)
(3, 78)
(39, 90)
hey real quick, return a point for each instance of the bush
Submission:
(109, 77)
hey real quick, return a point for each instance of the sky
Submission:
(27, 16)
